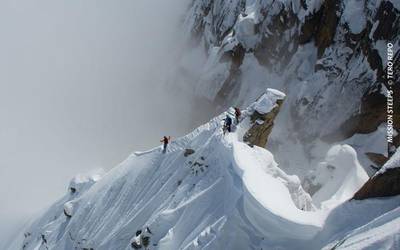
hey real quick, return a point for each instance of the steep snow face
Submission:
(208, 191)
(380, 233)
(354, 17)
(370, 224)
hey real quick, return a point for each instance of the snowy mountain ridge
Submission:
(221, 191)
(209, 191)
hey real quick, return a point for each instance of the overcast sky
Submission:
(80, 88)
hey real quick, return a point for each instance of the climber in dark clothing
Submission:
(238, 113)
(228, 123)
(165, 140)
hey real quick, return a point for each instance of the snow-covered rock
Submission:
(354, 16)
(262, 115)
(327, 56)
(268, 101)
(339, 177)
(82, 182)
(68, 209)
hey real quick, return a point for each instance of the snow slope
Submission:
(188, 202)
(381, 233)
(211, 191)
(220, 194)
(369, 224)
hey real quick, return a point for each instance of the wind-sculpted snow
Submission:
(210, 190)
(203, 200)
(268, 203)
(340, 176)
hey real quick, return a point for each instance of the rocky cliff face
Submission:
(381, 185)
(328, 56)
(386, 182)
(343, 44)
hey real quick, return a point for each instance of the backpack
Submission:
(228, 120)
(238, 112)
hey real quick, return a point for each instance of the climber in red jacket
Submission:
(238, 113)
(165, 140)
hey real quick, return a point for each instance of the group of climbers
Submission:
(228, 120)
(142, 238)
(227, 127)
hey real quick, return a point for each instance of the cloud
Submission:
(81, 86)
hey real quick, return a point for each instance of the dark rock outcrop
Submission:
(376, 158)
(67, 214)
(321, 26)
(381, 185)
(262, 125)
(188, 152)
(386, 182)
(235, 56)
(371, 115)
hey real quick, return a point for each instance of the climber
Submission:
(165, 140)
(228, 123)
(238, 113)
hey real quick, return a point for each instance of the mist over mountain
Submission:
(75, 79)
(305, 164)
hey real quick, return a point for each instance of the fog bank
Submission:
(80, 88)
